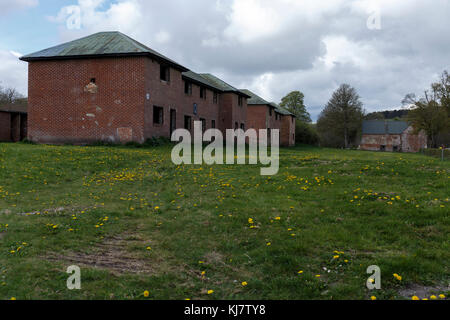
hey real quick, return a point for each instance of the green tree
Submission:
(294, 102)
(341, 120)
(306, 133)
(428, 114)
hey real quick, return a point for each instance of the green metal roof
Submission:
(100, 44)
(281, 110)
(199, 79)
(254, 98)
(222, 85)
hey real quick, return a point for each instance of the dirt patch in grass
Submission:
(115, 255)
(422, 291)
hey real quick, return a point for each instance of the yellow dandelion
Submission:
(146, 293)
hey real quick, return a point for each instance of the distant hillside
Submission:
(387, 115)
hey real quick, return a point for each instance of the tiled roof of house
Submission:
(199, 79)
(254, 98)
(384, 127)
(281, 110)
(100, 44)
(224, 87)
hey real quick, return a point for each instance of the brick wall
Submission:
(5, 126)
(288, 131)
(171, 96)
(258, 117)
(64, 107)
(61, 110)
(406, 142)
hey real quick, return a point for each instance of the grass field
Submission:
(134, 222)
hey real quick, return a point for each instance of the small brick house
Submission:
(267, 115)
(109, 87)
(13, 122)
(392, 136)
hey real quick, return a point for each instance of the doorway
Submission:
(173, 121)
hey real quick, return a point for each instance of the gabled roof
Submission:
(200, 80)
(224, 87)
(102, 44)
(254, 98)
(384, 127)
(281, 110)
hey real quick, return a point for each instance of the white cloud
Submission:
(13, 72)
(273, 47)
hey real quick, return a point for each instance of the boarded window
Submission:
(240, 101)
(203, 124)
(158, 115)
(164, 73)
(216, 98)
(187, 122)
(188, 88)
(213, 124)
(202, 93)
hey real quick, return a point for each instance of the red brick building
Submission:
(13, 122)
(267, 115)
(392, 136)
(109, 87)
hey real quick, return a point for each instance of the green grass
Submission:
(81, 205)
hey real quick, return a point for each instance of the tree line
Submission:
(340, 123)
(10, 96)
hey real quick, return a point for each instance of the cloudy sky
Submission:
(384, 48)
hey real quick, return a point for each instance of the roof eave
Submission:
(201, 84)
(239, 93)
(106, 55)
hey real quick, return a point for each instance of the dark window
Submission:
(243, 126)
(203, 124)
(93, 80)
(187, 122)
(202, 93)
(164, 73)
(188, 88)
(240, 101)
(216, 98)
(158, 115)
(236, 126)
(213, 124)
(382, 148)
(270, 112)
